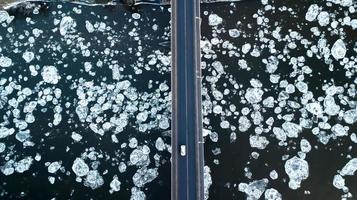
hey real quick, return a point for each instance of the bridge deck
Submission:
(187, 145)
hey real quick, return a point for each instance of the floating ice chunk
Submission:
(23, 165)
(274, 78)
(314, 108)
(255, 83)
(218, 67)
(214, 20)
(244, 123)
(216, 151)
(350, 168)
(164, 123)
(246, 48)
(353, 137)
(207, 181)
(79, 167)
(76, 137)
(298, 170)
(269, 102)
(115, 72)
(137, 194)
(338, 49)
(140, 156)
(106, 125)
(67, 23)
(354, 24)
(133, 143)
(217, 95)
(135, 16)
(8, 169)
(323, 18)
(27, 91)
(163, 87)
(273, 175)
(259, 142)
(144, 176)
(271, 64)
(254, 95)
(4, 16)
(57, 118)
(312, 12)
(302, 86)
(330, 106)
(28, 56)
(290, 88)
(344, 3)
(272, 194)
(305, 146)
(89, 27)
(330, 91)
(4, 132)
(160, 144)
(50, 74)
(217, 109)
(255, 189)
(5, 61)
(122, 167)
(206, 46)
(22, 136)
(350, 116)
(294, 104)
(88, 66)
(115, 184)
(234, 33)
(2, 147)
(339, 130)
(38, 157)
(291, 129)
(243, 64)
(206, 132)
(165, 60)
(54, 167)
(142, 116)
(51, 179)
(93, 180)
(224, 124)
(82, 112)
(338, 182)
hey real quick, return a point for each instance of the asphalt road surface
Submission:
(187, 146)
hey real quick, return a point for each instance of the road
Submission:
(187, 142)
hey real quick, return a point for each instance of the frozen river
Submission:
(85, 101)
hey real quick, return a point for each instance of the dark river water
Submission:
(137, 47)
(57, 144)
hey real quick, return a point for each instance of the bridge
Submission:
(186, 141)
